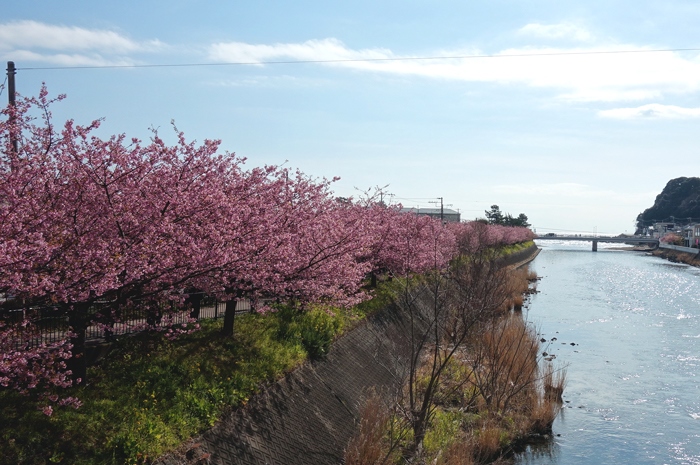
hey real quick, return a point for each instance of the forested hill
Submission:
(680, 200)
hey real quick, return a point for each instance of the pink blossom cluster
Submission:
(671, 238)
(476, 235)
(86, 219)
(408, 243)
(41, 367)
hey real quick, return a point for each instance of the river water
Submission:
(628, 327)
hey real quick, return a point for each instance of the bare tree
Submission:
(442, 311)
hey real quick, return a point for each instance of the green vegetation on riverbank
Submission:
(150, 394)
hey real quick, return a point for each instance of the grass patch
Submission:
(514, 248)
(151, 394)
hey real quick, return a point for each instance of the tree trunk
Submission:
(78, 320)
(196, 300)
(229, 316)
(154, 314)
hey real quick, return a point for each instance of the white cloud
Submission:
(579, 74)
(68, 45)
(651, 111)
(311, 50)
(64, 59)
(557, 31)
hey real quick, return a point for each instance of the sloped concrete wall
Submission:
(308, 417)
(521, 257)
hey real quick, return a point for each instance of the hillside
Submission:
(679, 201)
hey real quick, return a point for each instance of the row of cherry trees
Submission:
(85, 219)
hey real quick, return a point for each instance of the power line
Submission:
(358, 60)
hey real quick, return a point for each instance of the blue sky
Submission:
(577, 141)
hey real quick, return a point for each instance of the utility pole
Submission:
(442, 209)
(11, 100)
(11, 82)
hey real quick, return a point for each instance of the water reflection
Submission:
(540, 452)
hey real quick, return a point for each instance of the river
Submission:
(627, 326)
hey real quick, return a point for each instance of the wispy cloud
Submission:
(652, 111)
(311, 50)
(69, 45)
(575, 74)
(557, 31)
(580, 73)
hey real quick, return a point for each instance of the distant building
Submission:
(448, 215)
(691, 235)
(659, 230)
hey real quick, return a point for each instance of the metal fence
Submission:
(50, 324)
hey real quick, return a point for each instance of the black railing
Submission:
(49, 325)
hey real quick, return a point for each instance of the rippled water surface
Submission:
(633, 391)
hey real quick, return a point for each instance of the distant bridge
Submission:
(632, 240)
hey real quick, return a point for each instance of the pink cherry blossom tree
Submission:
(85, 219)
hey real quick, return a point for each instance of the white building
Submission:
(447, 214)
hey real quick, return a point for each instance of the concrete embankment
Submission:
(678, 254)
(522, 257)
(309, 416)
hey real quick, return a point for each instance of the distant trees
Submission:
(495, 216)
(679, 201)
(672, 238)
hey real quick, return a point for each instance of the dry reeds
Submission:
(519, 284)
(481, 363)
(554, 382)
(369, 446)
(458, 453)
(505, 363)
(547, 404)
(486, 444)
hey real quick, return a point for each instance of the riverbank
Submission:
(310, 415)
(525, 256)
(677, 256)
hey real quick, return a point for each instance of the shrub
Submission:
(444, 429)
(314, 329)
